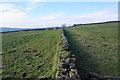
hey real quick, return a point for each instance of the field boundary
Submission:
(66, 68)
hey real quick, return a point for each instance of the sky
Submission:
(49, 14)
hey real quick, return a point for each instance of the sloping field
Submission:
(95, 47)
(30, 54)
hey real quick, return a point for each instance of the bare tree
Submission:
(63, 25)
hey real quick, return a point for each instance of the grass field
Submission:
(95, 47)
(30, 54)
(34, 54)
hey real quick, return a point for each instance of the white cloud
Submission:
(11, 13)
(29, 8)
(15, 16)
(9, 7)
(32, 5)
(25, 1)
(99, 16)
(39, 0)
(12, 16)
(51, 17)
(4, 7)
(59, 1)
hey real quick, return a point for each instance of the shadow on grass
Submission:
(85, 61)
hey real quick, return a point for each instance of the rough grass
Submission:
(95, 47)
(30, 54)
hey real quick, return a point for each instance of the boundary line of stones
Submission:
(66, 69)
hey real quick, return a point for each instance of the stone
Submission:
(59, 78)
(63, 52)
(74, 71)
(67, 55)
(65, 46)
(65, 65)
(63, 60)
(66, 42)
(72, 60)
(59, 73)
(72, 56)
(62, 74)
(71, 74)
(62, 69)
(72, 66)
(68, 60)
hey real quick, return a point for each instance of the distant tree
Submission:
(75, 24)
(63, 25)
(56, 27)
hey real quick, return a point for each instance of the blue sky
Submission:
(47, 14)
(68, 8)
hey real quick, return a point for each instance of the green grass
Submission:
(95, 47)
(30, 54)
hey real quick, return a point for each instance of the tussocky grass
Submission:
(95, 47)
(30, 54)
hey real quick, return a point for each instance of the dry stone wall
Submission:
(66, 69)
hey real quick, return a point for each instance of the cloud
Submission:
(4, 7)
(8, 6)
(25, 1)
(39, 0)
(15, 16)
(106, 14)
(11, 13)
(51, 17)
(27, 9)
(10, 16)
(59, 1)
(32, 5)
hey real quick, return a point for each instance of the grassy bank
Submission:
(30, 53)
(95, 47)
